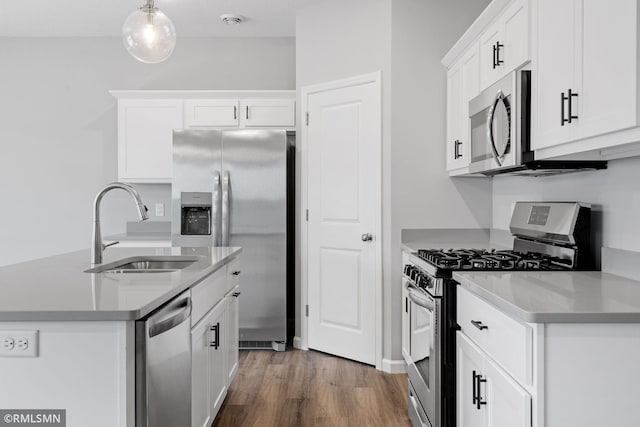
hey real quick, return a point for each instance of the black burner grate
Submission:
(481, 259)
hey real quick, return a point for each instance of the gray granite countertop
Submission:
(57, 288)
(558, 297)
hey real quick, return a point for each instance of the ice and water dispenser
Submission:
(196, 214)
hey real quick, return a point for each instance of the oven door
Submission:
(493, 123)
(424, 350)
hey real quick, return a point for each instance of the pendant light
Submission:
(148, 34)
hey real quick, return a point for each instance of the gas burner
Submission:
(480, 259)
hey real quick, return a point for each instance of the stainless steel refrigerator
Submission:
(229, 188)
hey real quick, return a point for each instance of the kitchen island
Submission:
(80, 329)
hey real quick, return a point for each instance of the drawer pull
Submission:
(216, 330)
(236, 273)
(478, 398)
(478, 324)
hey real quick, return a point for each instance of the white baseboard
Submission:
(394, 366)
(297, 343)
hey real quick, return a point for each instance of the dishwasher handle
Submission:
(170, 317)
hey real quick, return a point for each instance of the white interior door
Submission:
(343, 199)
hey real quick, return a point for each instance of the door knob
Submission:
(367, 237)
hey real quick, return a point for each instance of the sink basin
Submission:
(145, 264)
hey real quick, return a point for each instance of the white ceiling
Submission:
(192, 18)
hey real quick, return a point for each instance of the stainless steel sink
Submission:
(145, 264)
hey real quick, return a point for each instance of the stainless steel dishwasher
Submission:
(163, 366)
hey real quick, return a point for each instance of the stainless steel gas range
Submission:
(547, 236)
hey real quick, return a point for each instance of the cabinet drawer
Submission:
(207, 293)
(233, 272)
(508, 341)
(211, 112)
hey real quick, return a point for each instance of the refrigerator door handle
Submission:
(225, 208)
(215, 214)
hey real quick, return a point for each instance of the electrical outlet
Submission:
(159, 209)
(18, 343)
(8, 343)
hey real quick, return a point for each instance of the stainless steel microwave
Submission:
(496, 131)
(500, 129)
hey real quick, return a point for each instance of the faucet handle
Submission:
(106, 245)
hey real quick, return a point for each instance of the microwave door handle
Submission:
(492, 116)
(215, 215)
(225, 208)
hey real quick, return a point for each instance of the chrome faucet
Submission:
(97, 246)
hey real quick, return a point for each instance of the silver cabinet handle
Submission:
(215, 214)
(235, 112)
(367, 237)
(247, 115)
(225, 208)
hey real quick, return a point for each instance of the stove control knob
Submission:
(407, 268)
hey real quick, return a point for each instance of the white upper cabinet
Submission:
(261, 112)
(607, 72)
(268, 113)
(504, 46)
(554, 72)
(585, 74)
(455, 159)
(145, 138)
(462, 85)
(211, 112)
(146, 120)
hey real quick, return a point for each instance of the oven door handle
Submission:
(414, 295)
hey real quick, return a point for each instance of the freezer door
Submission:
(254, 216)
(196, 171)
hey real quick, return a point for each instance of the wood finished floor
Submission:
(308, 388)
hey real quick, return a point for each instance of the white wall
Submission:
(422, 194)
(58, 126)
(614, 193)
(405, 39)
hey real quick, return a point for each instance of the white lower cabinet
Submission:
(208, 376)
(487, 395)
(217, 348)
(406, 339)
(214, 342)
(469, 364)
(233, 333)
(582, 374)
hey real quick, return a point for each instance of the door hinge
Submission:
(307, 119)
(306, 309)
(306, 215)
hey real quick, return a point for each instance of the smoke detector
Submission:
(231, 19)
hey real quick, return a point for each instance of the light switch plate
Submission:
(18, 343)
(159, 209)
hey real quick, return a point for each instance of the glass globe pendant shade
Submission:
(148, 34)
